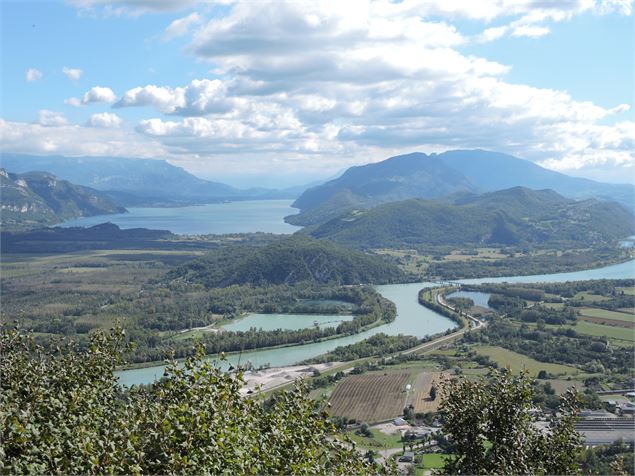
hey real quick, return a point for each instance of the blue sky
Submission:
(281, 93)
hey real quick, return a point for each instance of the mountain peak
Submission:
(417, 175)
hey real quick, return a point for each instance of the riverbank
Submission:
(412, 319)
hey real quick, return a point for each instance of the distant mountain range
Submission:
(138, 182)
(516, 216)
(418, 175)
(40, 198)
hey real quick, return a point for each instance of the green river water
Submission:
(412, 319)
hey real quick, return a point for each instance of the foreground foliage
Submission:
(63, 412)
(494, 432)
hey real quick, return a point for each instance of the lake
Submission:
(294, 322)
(250, 216)
(480, 299)
(412, 319)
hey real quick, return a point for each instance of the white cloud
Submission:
(72, 73)
(105, 120)
(50, 118)
(202, 96)
(33, 74)
(181, 26)
(532, 16)
(74, 140)
(76, 102)
(371, 76)
(530, 31)
(99, 94)
(165, 99)
(323, 85)
(132, 7)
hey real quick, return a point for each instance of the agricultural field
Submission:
(481, 254)
(434, 460)
(626, 336)
(517, 362)
(379, 440)
(419, 396)
(607, 315)
(561, 385)
(410, 261)
(370, 397)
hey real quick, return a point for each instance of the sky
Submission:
(260, 93)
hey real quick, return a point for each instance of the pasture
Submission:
(518, 362)
(606, 314)
(627, 336)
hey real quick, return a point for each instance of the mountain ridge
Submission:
(516, 216)
(418, 175)
(138, 182)
(37, 199)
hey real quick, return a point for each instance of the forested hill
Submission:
(418, 175)
(515, 216)
(37, 199)
(289, 261)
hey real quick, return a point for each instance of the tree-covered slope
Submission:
(289, 261)
(39, 198)
(509, 217)
(418, 175)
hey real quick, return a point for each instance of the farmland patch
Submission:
(370, 397)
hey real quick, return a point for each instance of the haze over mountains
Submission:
(137, 182)
(418, 175)
(40, 198)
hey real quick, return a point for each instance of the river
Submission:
(412, 319)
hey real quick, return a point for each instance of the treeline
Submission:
(374, 309)
(527, 265)
(426, 298)
(523, 292)
(379, 344)
(181, 306)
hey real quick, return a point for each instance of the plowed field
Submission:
(371, 397)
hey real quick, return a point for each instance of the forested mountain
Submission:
(136, 182)
(38, 198)
(514, 216)
(289, 261)
(418, 175)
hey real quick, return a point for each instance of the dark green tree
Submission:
(433, 392)
(64, 413)
(490, 423)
